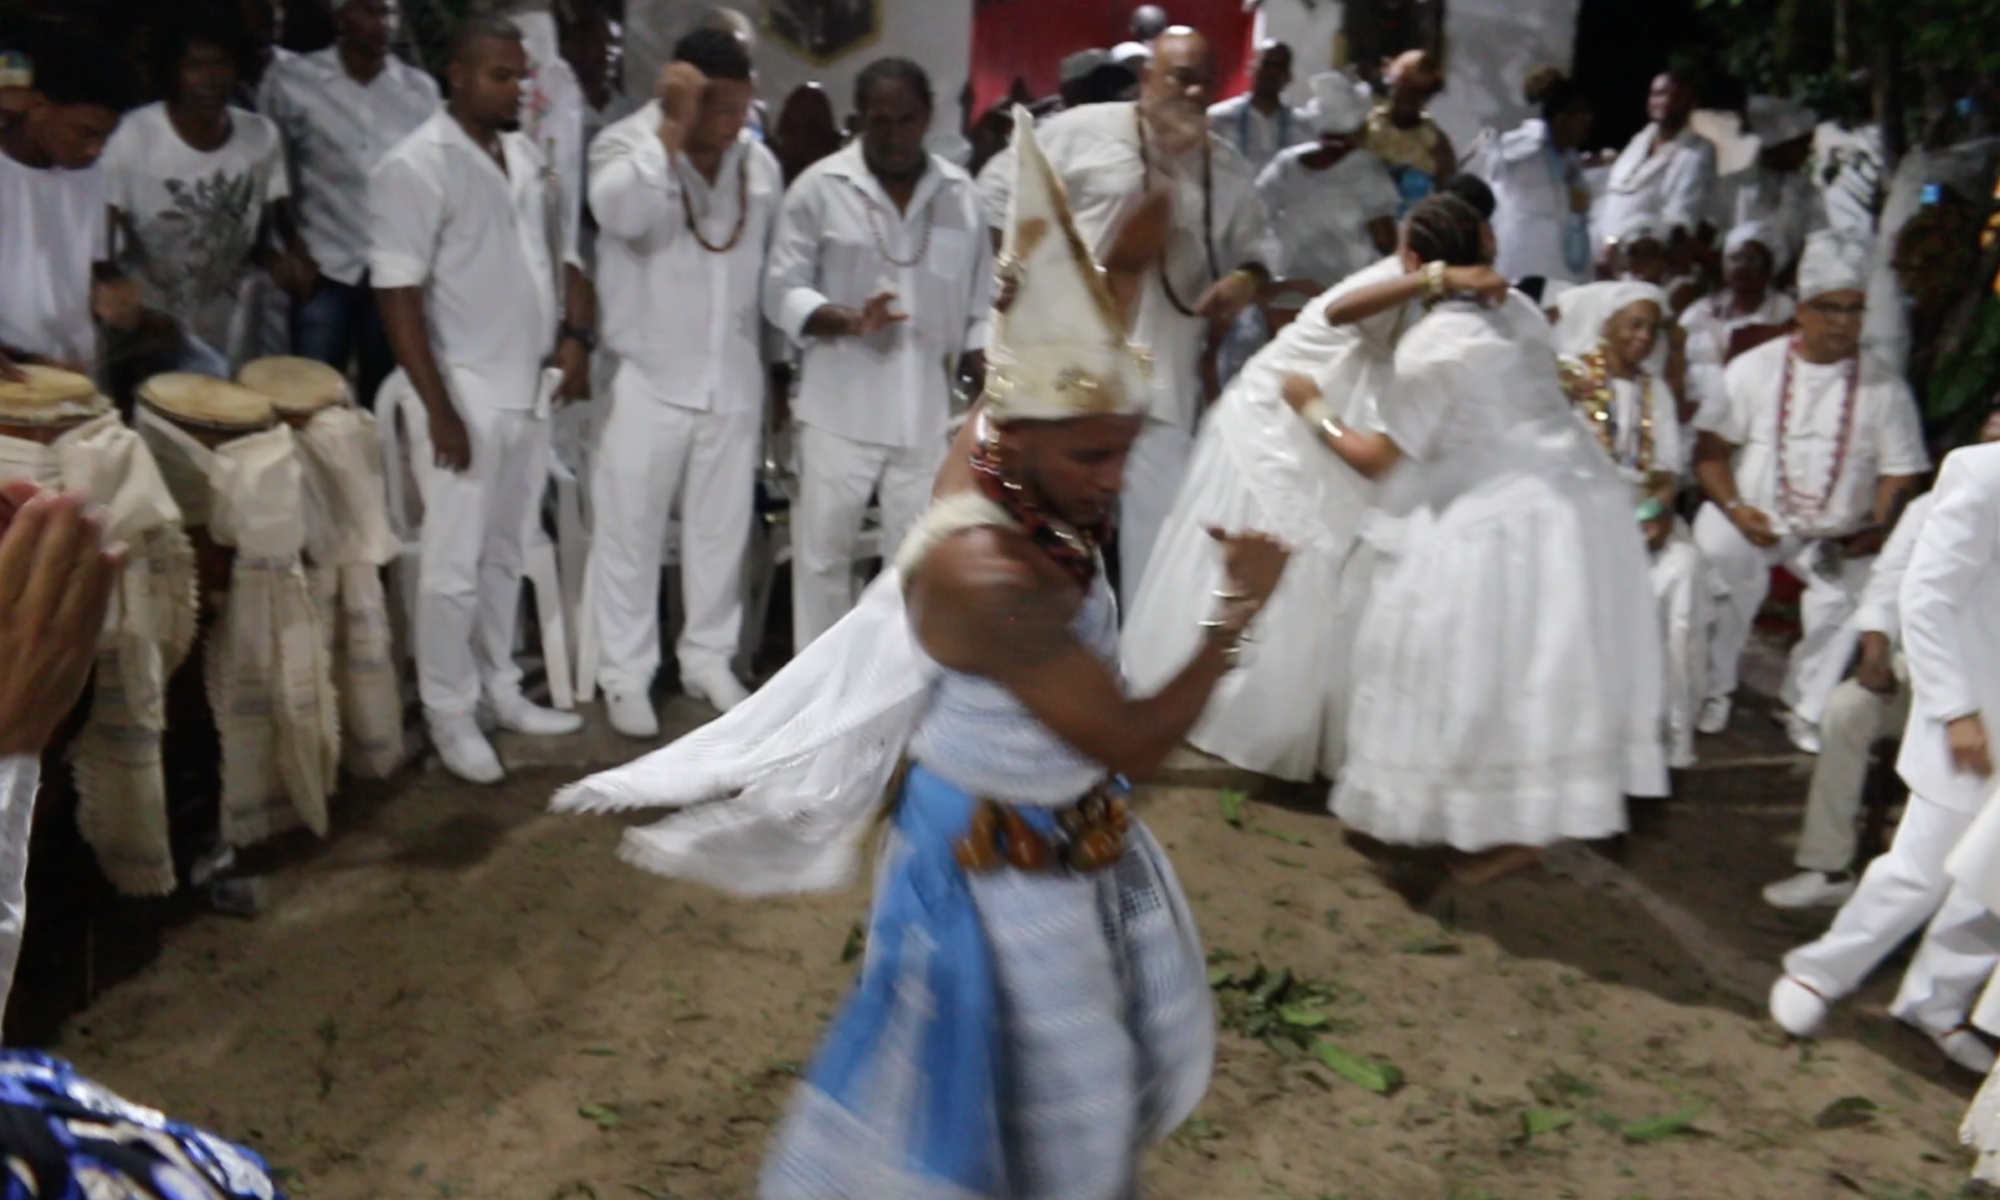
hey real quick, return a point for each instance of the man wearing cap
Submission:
(1667, 171)
(1332, 204)
(340, 111)
(1259, 123)
(1808, 465)
(1775, 191)
(1748, 306)
(1950, 601)
(1108, 156)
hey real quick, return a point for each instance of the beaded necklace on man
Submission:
(1799, 509)
(1595, 393)
(1207, 213)
(742, 209)
(1072, 548)
(881, 239)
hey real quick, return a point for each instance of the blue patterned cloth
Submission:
(63, 1137)
(1012, 1035)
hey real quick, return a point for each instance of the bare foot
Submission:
(1495, 865)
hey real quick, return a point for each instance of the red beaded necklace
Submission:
(1793, 503)
(1072, 549)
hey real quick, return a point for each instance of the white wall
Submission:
(1490, 46)
(935, 33)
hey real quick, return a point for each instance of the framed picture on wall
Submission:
(823, 31)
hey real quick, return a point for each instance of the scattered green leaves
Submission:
(1290, 839)
(1382, 1078)
(1659, 1129)
(1846, 1113)
(1538, 1122)
(1233, 803)
(1278, 1007)
(602, 1115)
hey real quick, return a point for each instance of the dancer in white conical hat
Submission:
(1033, 1010)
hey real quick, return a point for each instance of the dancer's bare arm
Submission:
(1368, 452)
(988, 603)
(1361, 303)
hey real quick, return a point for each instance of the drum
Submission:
(213, 412)
(48, 404)
(298, 388)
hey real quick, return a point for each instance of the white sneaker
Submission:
(1803, 734)
(632, 714)
(716, 685)
(1796, 1008)
(1714, 716)
(1966, 1048)
(522, 715)
(464, 750)
(1809, 889)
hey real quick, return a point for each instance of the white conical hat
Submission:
(1059, 351)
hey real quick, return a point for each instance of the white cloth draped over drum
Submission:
(269, 681)
(348, 541)
(121, 790)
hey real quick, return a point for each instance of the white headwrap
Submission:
(1338, 104)
(1585, 310)
(1060, 350)
(1764, 234)
(1833, 262)
(1776, 120)
(1131, 54)
(1643, 226)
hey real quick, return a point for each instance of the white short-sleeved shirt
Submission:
(194, 216)
(1321, 218)
(52, 228)
(1258, 137)
(336, 129)
(841, 240)
(446, 219)
(1887, 437)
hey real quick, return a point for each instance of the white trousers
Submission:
(1681, 586)
(1153, 475)
(469, 575)
(652, 457)
(1900, 891)
(836, 477)
(1854, 720)
(1820, 659)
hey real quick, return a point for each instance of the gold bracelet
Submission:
(1333, 429)
(1434, 288)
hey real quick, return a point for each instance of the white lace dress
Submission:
(1257, 466)
(1507, 662)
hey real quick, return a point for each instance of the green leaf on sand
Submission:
(1290, 839)
(1847, 1112)
(857, 941)
(1658, 1129)
(1536, 1122)
(1233, 802)
(1379, 1077)
(603, 1115)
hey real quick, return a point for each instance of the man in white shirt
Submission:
(1774, 191)
(59, 577)
(340, 110)
(193, 182)
(1258, 123)
(1951, 635)
(685, 201)
(1332, 203)
(1808, 465)
(53, 253)
(1667, 170)
(1108, 156)
(465, 255)
(880, 274)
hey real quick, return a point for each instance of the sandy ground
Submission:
(462, 996)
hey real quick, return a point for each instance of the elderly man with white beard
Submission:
(1214, 266)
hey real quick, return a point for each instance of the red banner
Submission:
(1029, 39)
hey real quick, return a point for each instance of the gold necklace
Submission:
(1590, 388)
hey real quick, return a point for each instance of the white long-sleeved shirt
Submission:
(1320, 219)
(1257, 137)
(1096, 152)
(688, 318)
(336, 130)
(1880, 610)
(841, 240)
(1673, 185)
(20, 776)
(1951, 627)
(445, 218)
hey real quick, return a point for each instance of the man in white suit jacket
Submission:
(1951, 633)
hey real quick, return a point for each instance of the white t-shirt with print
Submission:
(192, 217)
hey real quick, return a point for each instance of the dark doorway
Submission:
(1620, 47)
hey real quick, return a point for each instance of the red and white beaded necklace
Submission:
(1797, 507)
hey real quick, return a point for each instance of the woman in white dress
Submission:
(1255, 466)
(1614, 347)
(1506, 670)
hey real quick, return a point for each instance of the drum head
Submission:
(200, 402)
(295, 386)
(49, 397)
